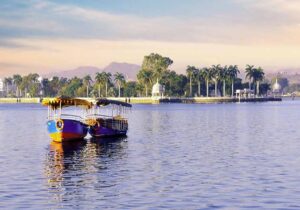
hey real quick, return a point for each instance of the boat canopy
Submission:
(61, 102)
(105, 102)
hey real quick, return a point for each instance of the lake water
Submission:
(176, 156)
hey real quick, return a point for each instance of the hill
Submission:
(129, 70)
(293, 78)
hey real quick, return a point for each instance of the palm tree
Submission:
(87, 82)
(168, 80)
(258, 77)
(17, 79)
(25, 84)
(145, 78)
(224, 77)
(200, 77)
(216, 69)
(119, 79)
(7, 82)
(107, 79)
(190, 71)
(250, 74)
(208, 76)
(100, 79)
(233, 71)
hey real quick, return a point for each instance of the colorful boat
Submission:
(101, 125)
(65, 127)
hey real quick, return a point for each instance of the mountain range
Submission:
(293, 78)
(129, 70)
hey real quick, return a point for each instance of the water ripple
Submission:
(176, 156)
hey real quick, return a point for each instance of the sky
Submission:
(44, 36)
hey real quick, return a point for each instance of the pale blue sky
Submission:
(192, 32)
(98, 19)
(156, 8)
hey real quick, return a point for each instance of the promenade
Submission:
(157, 100)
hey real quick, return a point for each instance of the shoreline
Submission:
(150, 100)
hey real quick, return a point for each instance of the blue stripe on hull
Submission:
(70, 127)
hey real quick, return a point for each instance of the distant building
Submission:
(1, 88)
(276, 87)
(158, 90)
(1, 85)
(245, 93)
(40, 79)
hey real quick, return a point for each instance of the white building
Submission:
(1, 88)
(245, 93)
(158, 90)
(276, 87)
(40, 79)
(1, 85)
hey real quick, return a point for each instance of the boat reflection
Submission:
(70, 167)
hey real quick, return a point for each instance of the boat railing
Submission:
(95, 116)
(66, 117)
(112, 122)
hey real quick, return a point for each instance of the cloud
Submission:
(46, 19)
(285, 6)
(10, 44)
(39, 36)
(285, 11)
(68, 54)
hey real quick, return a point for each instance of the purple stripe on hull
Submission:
(71, 129)
(103, 131)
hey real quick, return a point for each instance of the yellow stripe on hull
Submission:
(61, 137)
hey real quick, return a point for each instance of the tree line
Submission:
(215, 80)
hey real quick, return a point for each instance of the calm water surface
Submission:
(176, 156)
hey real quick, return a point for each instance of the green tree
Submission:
(139, 89)
(190, 72)
(208, 75)
(179, 84)
(87, 80)
(145, 78)
(199, 75)
(119, 79)
(7, 83)
(30, 84)
(224, 76)
(107, 79)
(258, 76)
(157, 64)
(17, 79)
(233, 71)
(56, 84)
(264, 88)
(46, 87)
(100, 79)
(73, 88)
(130, 89)
(217, 75)
(175, 84)
(250, 73)
(169, 79)
(34, 89)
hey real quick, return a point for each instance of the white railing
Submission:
(95, 116)
(109, 121)
(66, 117)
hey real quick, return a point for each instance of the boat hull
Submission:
(109, 127)
(102, 131)
(66, 130)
